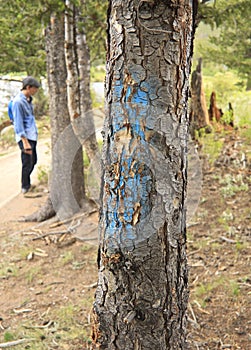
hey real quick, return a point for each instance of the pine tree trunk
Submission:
(66, 180)
(87, 132)
(78, 78)
(142, 291)
(78, 84)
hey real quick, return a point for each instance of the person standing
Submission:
(25, 128)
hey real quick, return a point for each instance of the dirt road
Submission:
(10, 175)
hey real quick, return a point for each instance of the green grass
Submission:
(232, 185)
(67, 258)
(33, 273)
(212, 146)
(8, 336)
(203, 291)
(43, 174)
(8, 270)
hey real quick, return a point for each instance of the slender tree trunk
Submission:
(199, 117)
(88, 132)
(78, 78)
(67, 182)
(78, 83)
(142, 291)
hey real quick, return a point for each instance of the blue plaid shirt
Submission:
(24, 120)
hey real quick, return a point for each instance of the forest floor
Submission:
(48, 275)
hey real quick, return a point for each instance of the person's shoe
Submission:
(25, 190)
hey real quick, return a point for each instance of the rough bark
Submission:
(199, 117)
(86, 132)
(46, 212)
(142, 291)
(78, 78)
(66, 180)
(78, 87)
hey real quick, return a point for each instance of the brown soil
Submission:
(47, 279)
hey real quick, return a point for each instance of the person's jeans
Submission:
(28, 163)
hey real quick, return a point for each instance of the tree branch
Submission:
(15, 342)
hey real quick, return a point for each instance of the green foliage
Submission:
(246, 135)
(98, 73)
(41, 104)
(225, 82)
(204, 290)
(32, 274)
(67, 258)
(212, 146)
(21, 37)
(94, 12)
(230, 44)
(227, 118)
(22, 29)
(42, 175)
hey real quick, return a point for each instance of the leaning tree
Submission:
(142, 291)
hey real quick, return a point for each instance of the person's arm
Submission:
(19, 126)
(27, 146)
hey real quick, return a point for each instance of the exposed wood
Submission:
(215, 113)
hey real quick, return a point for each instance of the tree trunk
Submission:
(78, 78)
(142, 291)
(198, 111)
(88, 132)
(67, 180)
(78, 83)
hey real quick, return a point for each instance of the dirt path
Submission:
(10, 175)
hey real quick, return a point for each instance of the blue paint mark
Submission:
(140, 97)
(133, 187)
(128, 93)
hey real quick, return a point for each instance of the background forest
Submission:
(222, 41)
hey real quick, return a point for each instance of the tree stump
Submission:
(198, 109)
(214, 112)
